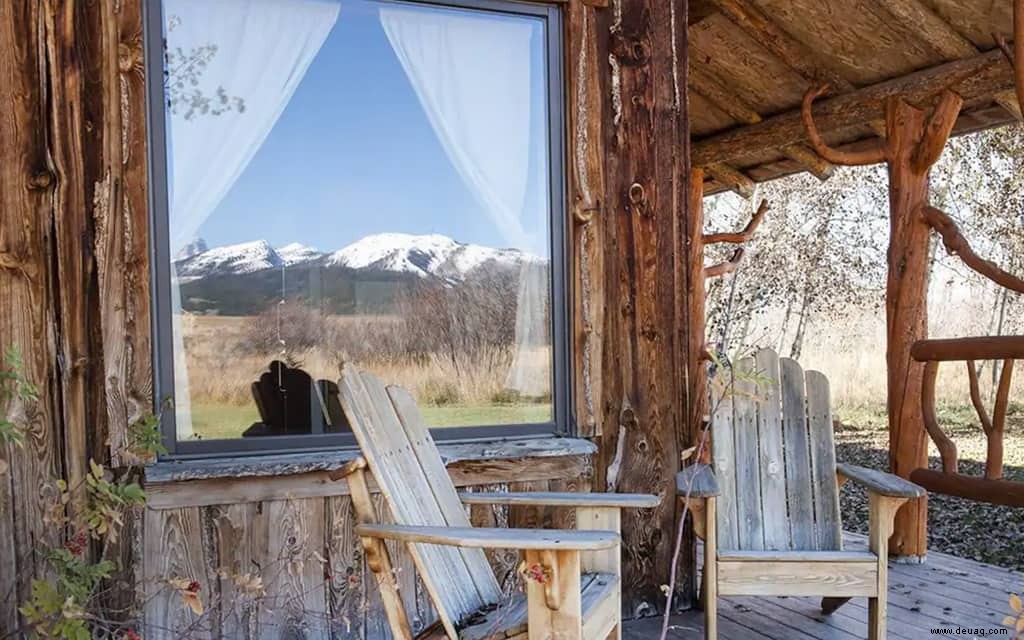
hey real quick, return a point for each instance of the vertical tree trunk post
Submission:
(913, 144)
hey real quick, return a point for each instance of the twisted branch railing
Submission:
(992, 487)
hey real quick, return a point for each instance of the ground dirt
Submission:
(987, 533)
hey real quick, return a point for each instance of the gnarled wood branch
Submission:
(872, 155)
(994, 450)
(979, 406)
(940, 126)
(946, 447)
(748, 232)
(722, 268)
(956, 244)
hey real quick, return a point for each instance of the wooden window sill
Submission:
(189, 483)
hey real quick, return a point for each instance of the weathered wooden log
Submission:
(1001, 492)
(907, 313)
(977, 348)
(972, 78)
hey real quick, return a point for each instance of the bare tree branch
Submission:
(722, 268)
(741, 236)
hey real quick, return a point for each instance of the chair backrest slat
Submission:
(723, 439)
(407, 491)
(748, 476)
(774, 456)
(772, 463)
(447, 497)
(828, 526)
(798, 456)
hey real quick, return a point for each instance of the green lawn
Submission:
(213, 421)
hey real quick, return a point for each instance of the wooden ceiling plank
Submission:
(1008, 100)
(734, 178)
(775, 39)
(719, 95)
(819, 167)
(974, 78)
(921, 22)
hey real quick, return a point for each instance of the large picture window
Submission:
(355, 181)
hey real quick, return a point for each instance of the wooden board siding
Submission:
(73, 260)
(75, 281)
(312, 565)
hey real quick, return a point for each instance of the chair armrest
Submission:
(546, 499)
(880, 482)
(699, 479)
(482, 538)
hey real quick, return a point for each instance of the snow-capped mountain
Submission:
(424, 255)
(246, 257)
(296, 253)
(420, 255)
(197, 246)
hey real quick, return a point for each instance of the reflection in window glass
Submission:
(363, 182)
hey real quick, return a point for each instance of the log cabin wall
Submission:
(296, 532)
(74, 272)
(75, 286)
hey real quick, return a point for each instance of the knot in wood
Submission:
(40, 181)
(129, 56)
(649, 332)
(627, 418)
(631, 51)
(637, 194)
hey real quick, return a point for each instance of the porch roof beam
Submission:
(975, 78)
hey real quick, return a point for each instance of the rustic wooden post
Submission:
(696, 346)
(913, 144)
(629, 173)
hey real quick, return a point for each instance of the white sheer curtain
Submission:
(472, 74)
(257, 50)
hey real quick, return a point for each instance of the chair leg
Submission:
(829, 605)
(881, 511)
(710, 591)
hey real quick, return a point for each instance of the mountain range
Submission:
(244, 278)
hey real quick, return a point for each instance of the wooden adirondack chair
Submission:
(577, 594)
(769, 511)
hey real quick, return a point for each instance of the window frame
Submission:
(160, 272)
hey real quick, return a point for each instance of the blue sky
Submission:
(352, 155)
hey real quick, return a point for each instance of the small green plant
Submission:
(57, 607)
(144, 439)
(13, 385)
(108, 501)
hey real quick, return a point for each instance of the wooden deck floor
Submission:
(945, 593)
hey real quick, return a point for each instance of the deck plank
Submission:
(946, 592)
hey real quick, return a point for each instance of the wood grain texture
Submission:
(798, 578)
(906, 316)
(174, 550)
(827, 520)
(798, 460)
(771, 459)
(749, 509)
(345, 572)
(646, 174)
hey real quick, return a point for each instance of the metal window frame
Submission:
(159, 238)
